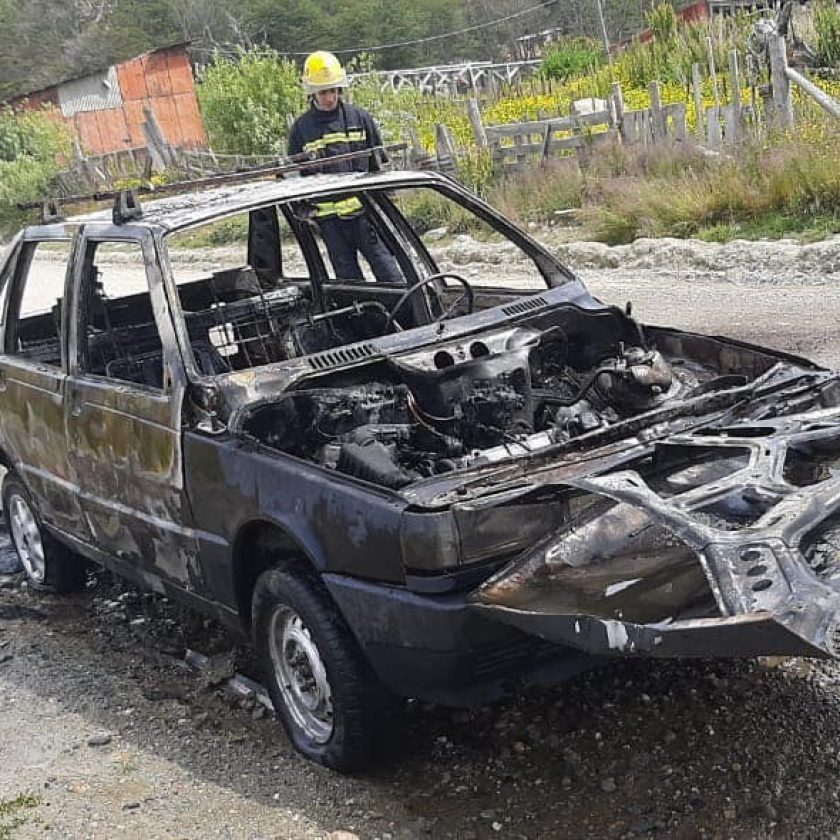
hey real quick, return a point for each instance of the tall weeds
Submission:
(681, 194)
(826, 21)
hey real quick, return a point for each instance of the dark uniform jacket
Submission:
(327, 133)
(343, 223)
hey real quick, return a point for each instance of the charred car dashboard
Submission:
(432, 488)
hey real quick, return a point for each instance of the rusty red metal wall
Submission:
(160, 80)
(695, 12)
(35, 101)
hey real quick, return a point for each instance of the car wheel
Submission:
(46, 562)
(331, 704)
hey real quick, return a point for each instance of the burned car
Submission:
(438, 488)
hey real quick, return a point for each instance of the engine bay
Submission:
(501, 393)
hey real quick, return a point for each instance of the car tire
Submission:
(332, 705)
(47, 563)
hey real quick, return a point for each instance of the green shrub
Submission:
(33, 149)
(795, 179)
(12, 813)
(676, 46)
(475, 170)
(395, 111)
(245, 105)
(571, 57)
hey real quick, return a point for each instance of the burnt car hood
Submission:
(715, 539)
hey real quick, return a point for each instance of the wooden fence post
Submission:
(766, 92)
(477, 126)
(418, 153)
(713, 136)
(659, 123)
(444, 148)
(161, 154)
(730, 119)
(680, 128)
(712, 71)
(735, 84)
(697, 87)
(618, 107)
(782, 103)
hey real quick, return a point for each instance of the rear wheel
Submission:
(47, 563)
(331, 704)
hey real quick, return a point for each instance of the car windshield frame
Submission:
(376, 195)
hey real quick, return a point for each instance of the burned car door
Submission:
(32, 373)
(123, 408)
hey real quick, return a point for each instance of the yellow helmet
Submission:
(322, 71)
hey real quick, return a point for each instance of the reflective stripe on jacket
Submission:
(343, 209)
(326, 134)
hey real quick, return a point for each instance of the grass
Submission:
(535, 194)
(11, 813)
(788, 185)
(774, 226)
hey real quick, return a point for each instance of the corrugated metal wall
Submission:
(106, 109)
(97, 92)
(163, 81)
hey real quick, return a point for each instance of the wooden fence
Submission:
(515, 146)
(104, 172)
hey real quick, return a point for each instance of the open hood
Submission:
(722, 542)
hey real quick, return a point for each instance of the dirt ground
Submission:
(104, 734)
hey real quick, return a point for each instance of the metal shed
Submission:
(105, 109)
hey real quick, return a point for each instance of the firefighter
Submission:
(333, 127)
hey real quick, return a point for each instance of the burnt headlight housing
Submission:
(494, 528)
(608, 559)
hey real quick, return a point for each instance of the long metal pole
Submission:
(604, 30)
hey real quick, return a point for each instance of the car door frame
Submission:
(33, 438)
(135, 500)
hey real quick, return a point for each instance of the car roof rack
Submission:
(50, 212)
(127, 204)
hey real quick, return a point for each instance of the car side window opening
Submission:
(40, 276)
(242, 281)
(118, 333)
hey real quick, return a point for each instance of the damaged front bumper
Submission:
(723, 542)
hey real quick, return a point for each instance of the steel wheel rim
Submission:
(301, 675)
(27, 538)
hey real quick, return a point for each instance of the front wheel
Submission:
(47, 563)
(328, 699)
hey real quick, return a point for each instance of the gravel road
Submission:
(110, 736)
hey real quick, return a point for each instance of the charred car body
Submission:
(432, 489)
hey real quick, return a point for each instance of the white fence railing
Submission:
(474, 76)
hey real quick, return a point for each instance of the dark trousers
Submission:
(346, 237)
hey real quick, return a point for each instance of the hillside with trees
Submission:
(43, 42)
